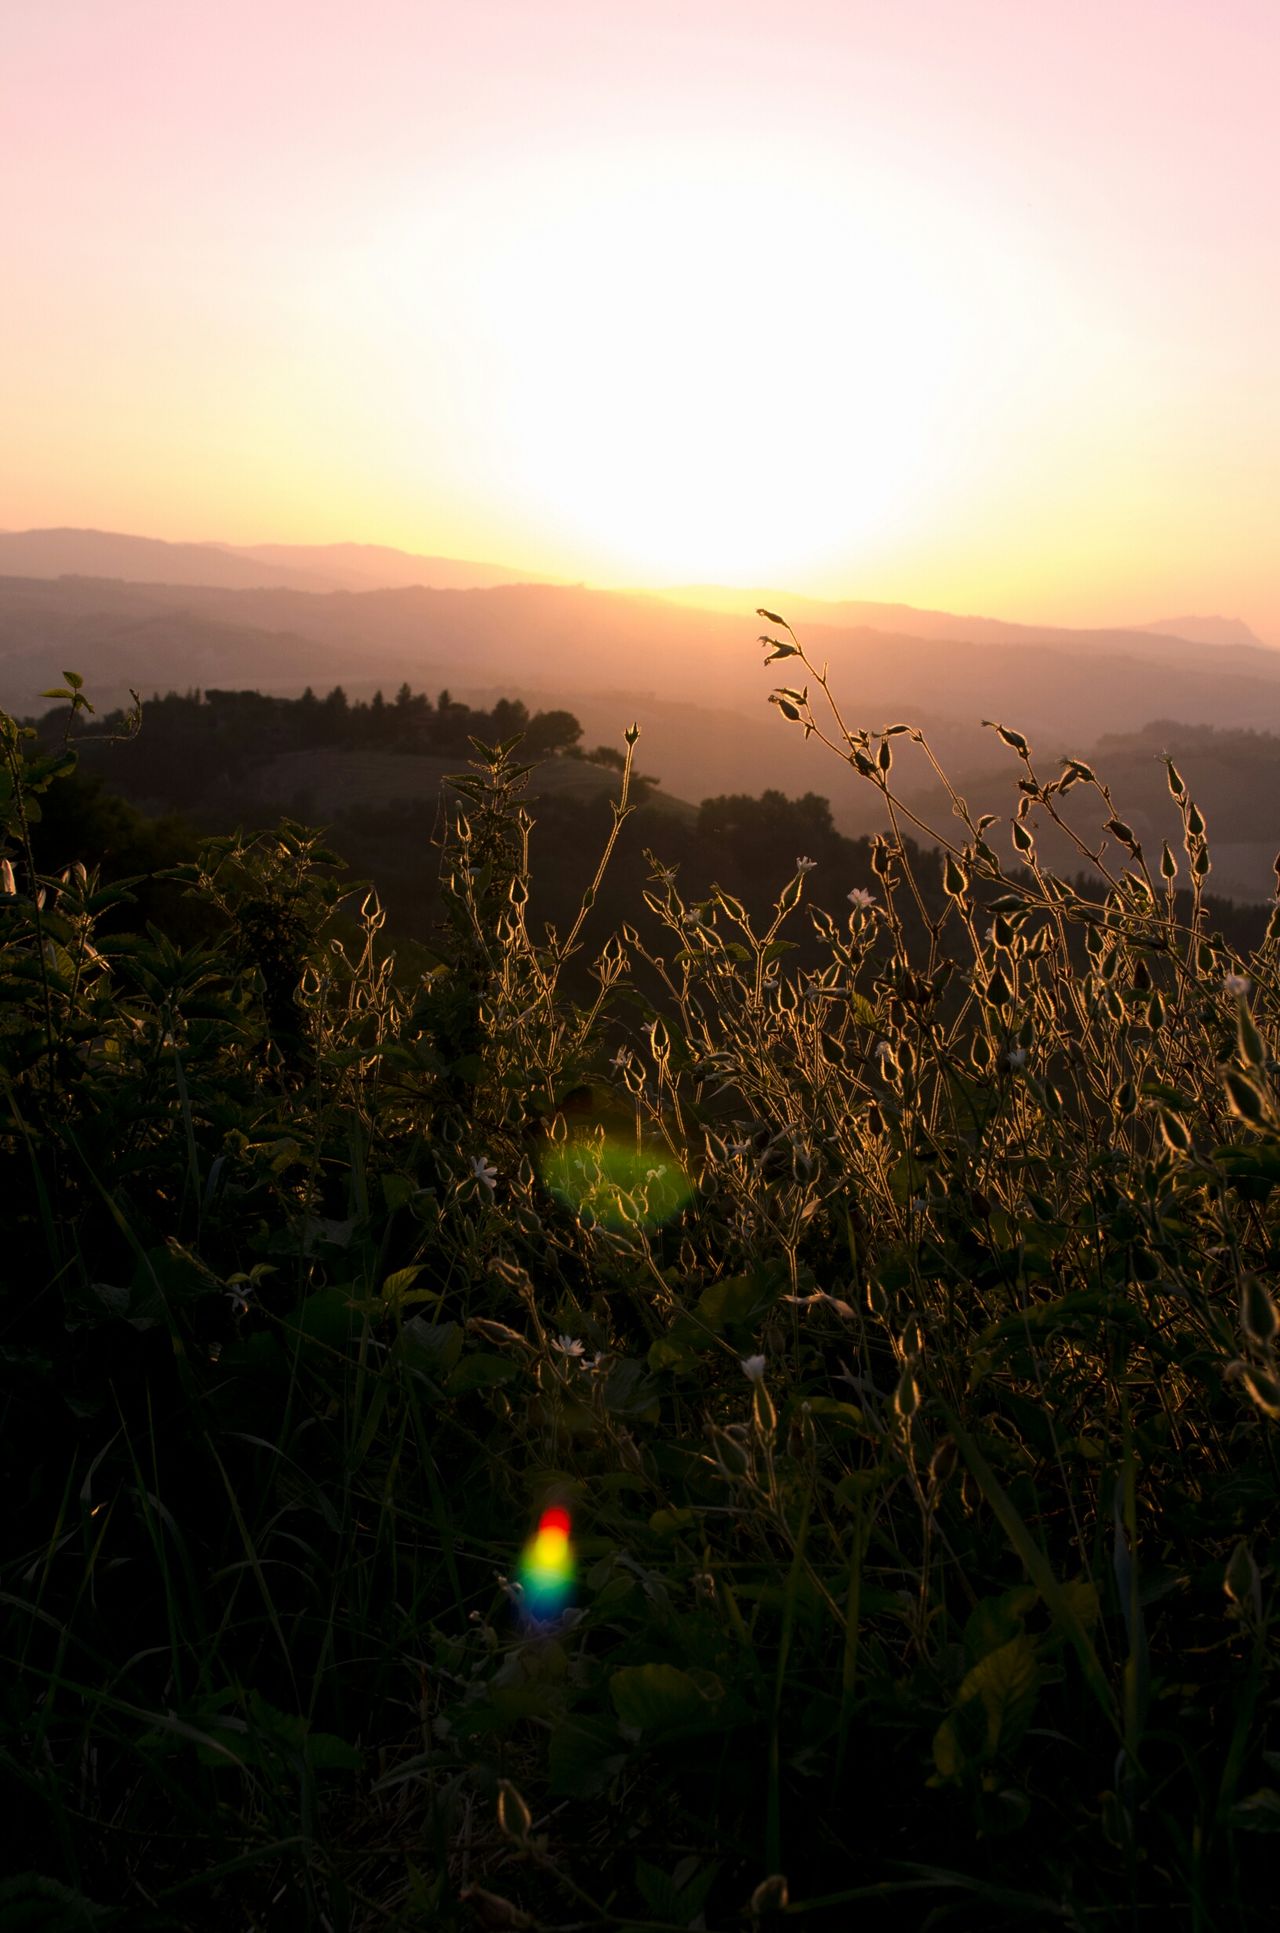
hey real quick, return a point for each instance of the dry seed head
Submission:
(906, 1398)
(770, 1897)
(1257, 1312)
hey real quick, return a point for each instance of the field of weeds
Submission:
(894, 1339)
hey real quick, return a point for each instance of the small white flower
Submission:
(804, 865)
(1237, 983)
(693, 917)
(739, 1148)
(1016, 1057)
(753, 1368)
(622, 1059)
(568, 1346)
(884, 1049)
(484, 1171)
(861, 898)
(919, 1203)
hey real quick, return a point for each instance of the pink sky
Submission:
(964, 302)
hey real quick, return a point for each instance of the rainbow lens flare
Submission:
(618, 1185)
(547, 1566)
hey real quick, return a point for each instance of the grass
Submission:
(897, 1330)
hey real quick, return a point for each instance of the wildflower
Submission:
(884, 1049)
(484, 1171)
(753, 1368)
(739, 1148)
(1237, 983)
(1016, 1057)
(805, 865)
(569, 1346)
(621, 1060)
(861, 898)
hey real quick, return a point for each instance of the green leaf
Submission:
(327, 1317)
(1260, 1812)
(326, 1752)
(741, 1298)
(481, 1372)
(662, 1698)
(433, 1347)
(398, 1290)
(996, 1621)
(993, 1708)
(585, 1755)
(631, 1392)
(32, 1903)
(1064, 1612)
(1079, 1308)
(1006, 1681)
(847, 1415)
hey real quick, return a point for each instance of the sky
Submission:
(962, 303)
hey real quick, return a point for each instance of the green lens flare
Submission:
(615, 1183)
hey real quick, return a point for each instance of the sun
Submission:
(717, 373)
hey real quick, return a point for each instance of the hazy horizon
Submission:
(362, 572)
(969, 307)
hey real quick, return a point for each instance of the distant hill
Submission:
(368, 567)
(143, 560)
(300, 567)
(911, 621)
(1206, 630)
(694, 678)
(1233, 776)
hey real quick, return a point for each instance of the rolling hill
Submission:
(692, 676)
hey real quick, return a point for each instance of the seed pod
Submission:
(906, 1398)
(770, 1897)
(514, 1816)
(1264, 1389)
(1257, 1311)
(1241, 1581)
(1244, 1099)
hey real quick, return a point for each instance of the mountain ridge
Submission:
(357, 567)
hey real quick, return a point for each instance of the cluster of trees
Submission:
(197, 740)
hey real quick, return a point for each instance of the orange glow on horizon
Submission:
(850, 299)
